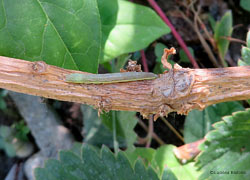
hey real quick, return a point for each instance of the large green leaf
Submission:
(199, 123)
(65, 33)
(133, 28)
(223, 29)
(226, 153)
(93, 165)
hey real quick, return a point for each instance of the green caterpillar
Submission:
(109, 78)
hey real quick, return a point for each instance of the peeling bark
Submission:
(179, 89)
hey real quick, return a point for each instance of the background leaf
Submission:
(199, 123)
(159, 49)
(245, 4)
(129, 30)
(6, 140)
(227, 149)
(183, 56)
(21, 131)
(94, 131)
(98, 130)
(65, 33)
(248, 39)
(223, 29)
(212, 21)
(245, 53)
(125, 124)
(2, 104)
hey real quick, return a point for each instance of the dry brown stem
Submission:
(187, 152)
(180, 89)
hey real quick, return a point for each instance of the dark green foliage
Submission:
(227, 149)
(95, 165)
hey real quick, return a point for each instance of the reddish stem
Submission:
(144, 61)
(175, 33)
(143, 57)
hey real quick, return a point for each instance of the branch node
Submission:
(103, 105)
(39, 67)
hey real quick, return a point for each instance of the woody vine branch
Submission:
(179, 89)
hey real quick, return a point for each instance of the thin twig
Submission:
(233, 39)
(17, 170)
(115, 142)
(237, 26)
(208, 34)
(141, 140)
(203, 26)
(173, 129)
(144, 61)
(150, 131)
(175, 33)
(155, 136)
(202, 40)
(188, 151)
